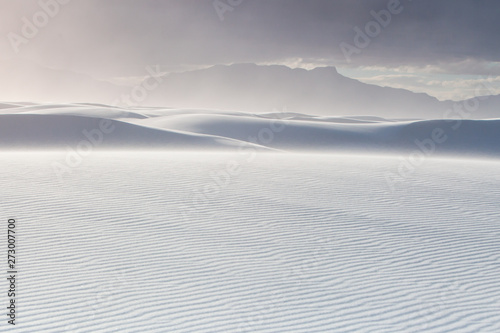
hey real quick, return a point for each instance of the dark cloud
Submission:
(122, 37)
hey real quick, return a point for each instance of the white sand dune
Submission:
(60, 125)
(344, 134)
(49, 131)
(134, 242)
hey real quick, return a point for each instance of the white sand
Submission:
(292, 243)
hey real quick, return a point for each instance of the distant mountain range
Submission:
(321, 91)
(242, 87)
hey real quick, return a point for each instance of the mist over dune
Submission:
(59, 126)
(61, 131)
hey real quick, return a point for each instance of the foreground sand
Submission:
(193, 242)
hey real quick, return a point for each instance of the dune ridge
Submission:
(38, 126)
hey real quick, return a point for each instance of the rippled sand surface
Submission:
(169, 242)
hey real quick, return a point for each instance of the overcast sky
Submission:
(440, 46)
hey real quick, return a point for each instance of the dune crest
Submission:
(54, 126)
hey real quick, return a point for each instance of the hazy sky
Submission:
(443, 47)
